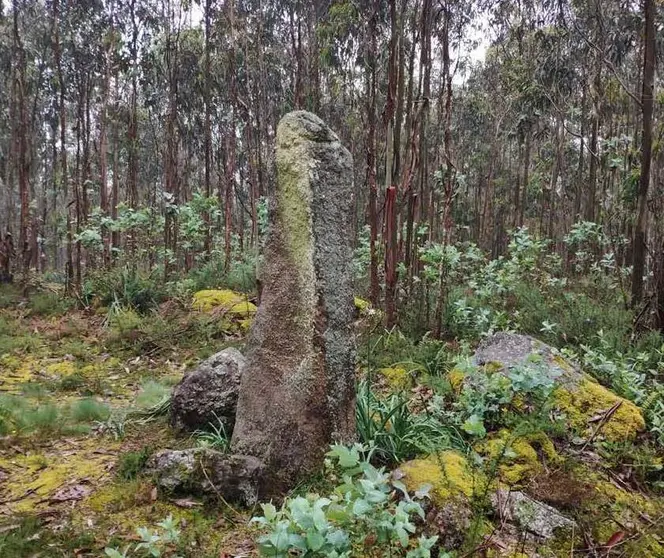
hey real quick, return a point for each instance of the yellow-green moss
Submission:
(16, 371)
(62, 368)
(493, 366)
(361, 304)
(34, 477)
(233, 302)
(588, 400)
(456, 377)
(397, 378)
(448, 473)
(517, 458)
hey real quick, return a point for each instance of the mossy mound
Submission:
(448, 474)
(519, 458)
(230, 301)
(586, 404)
(397, 378)
(456, 377)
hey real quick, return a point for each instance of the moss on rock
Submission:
(449, 475)
(584, 403)
(518, 458)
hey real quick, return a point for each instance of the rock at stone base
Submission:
(209, 393)
(577, 395)
(533, 516)
(206, 472)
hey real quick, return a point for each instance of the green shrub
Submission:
(88, 410)
(49, 304)
(124, 287)
(10, 295)
(362, 503)
(151, 393)
(131, 463)
(395, 433)
(72, 382)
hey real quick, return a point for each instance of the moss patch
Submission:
(398, 379)
(518, 458)
(232, 302)
(456, 377)
(448, 473)
(33, 479)
(587, 401)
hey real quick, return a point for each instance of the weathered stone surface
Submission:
(533, 516)
(209, 392)
(297, 393)
(202, 471)
(585, 403)
(512, 349)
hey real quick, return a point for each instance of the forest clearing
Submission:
(331, 279)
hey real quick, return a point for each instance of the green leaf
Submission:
(315, 540)
(269, 511)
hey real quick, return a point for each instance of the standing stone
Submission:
(297, 393)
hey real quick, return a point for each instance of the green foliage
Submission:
(489, 400)
(72, 382)
(215, 436)
(20, 416)
(89, 410)
(124, 287)
(634, 374)
(131, 463)
(154, 543)
(49, 304)
(27, 536)
(9, 295)
(362, 503)
(152, 393)
(394, 432)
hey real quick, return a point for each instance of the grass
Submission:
(131, 463)
(49, 304)
(215, 437)
(396, 433)
(20, 416)
(88, 410)
(152, 393)
(27, 536)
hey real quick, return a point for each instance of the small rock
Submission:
(208, 394)
(509, 350)
(537, 518)
(202, 471)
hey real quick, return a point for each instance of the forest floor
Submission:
(69, 456)
(82, 398)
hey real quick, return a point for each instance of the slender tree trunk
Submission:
(23, 157)
(374, 292)
(391, 246)
(646, 152)
(208, 122)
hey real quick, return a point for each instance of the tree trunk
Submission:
(647, 94)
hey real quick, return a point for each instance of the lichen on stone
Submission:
(585, 404)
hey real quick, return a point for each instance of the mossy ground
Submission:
(60, 378)
(70, 488)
